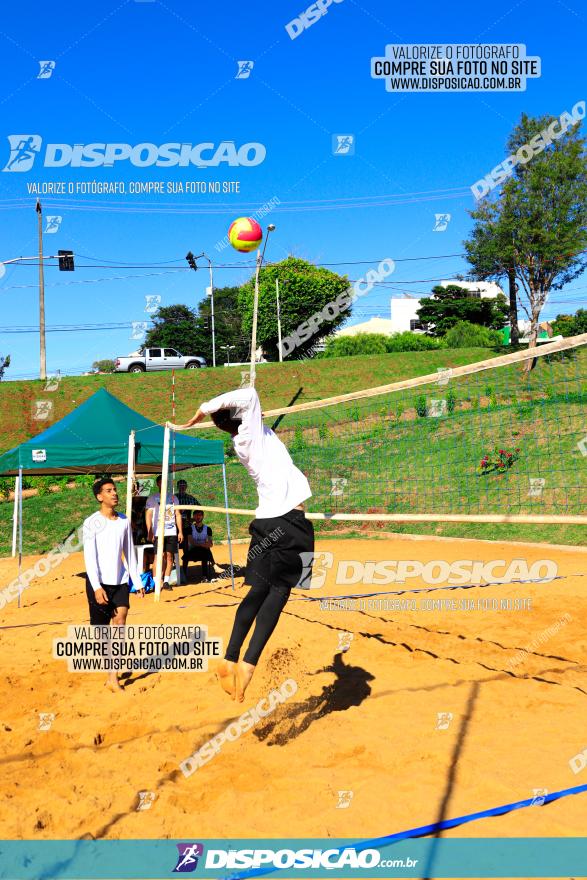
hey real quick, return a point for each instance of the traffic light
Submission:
(65, 261)
(191, 261)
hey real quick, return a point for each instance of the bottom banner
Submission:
(296, 858)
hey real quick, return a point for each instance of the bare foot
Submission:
(226, 676)
(244, 674)
(113, 685)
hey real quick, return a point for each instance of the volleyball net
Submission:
(488, 442)
(485, 442)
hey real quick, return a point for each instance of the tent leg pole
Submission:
(15, 514)
(19, 532)
(161, 517)
(228, 524)
(130, 474)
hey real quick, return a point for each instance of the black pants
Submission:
(278, 557)
(199, 554)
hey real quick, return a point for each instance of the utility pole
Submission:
(209, 292)
(278, 322)
(43, 350)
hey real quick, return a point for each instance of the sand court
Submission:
(399, 718)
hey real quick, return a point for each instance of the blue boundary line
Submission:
(558, 577)
(426, 830)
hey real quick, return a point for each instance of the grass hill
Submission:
(393, 453)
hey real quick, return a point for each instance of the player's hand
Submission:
(150, 536)
(142, 592)
(180, 538)
(101, 596)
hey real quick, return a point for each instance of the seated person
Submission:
(140, 536)
(199, 547)
(184, 497)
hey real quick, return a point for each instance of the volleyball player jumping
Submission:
(279, 533)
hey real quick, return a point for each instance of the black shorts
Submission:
(281, 551)
(169, 544)
(101, 615)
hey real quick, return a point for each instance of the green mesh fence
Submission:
(497, 441)
(491, 442)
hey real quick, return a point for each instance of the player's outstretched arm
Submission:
(199, 417)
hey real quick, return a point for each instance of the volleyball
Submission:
(245, 234)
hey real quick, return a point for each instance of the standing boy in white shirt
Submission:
(107, 536)
(172, 529)
(279, 533)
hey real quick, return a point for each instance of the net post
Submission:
(130, 474)
(161, 516)
(15, 512)
(19, 532)
(228, 524)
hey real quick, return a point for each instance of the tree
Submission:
(491, 252)
(4, 364)
(542, 210)
(304, 290)
(181, 328)
(190, 331)
(467, 335)
(228, 328)
(570, 325)
(452, 304)
(360, 343)
(104, 366)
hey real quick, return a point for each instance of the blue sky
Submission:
(158, 72)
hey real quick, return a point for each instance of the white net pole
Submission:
(228, 524)
(130, 474)
(15, 513)
(161, 515)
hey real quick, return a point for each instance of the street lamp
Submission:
(227, 350)
(209, 292)
(260, 255)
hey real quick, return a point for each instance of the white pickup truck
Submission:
(148, 359)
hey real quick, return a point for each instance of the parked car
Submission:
(149, 359)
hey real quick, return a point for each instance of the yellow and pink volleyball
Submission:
(245, 234)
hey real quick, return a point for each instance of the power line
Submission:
(287, 206)
(110, 264)
(67, 328)
(113, 264)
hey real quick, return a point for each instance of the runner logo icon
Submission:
(188, 855)
(23, 151)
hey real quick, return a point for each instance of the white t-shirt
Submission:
(105, 540)
(281, 486)
(153, 504)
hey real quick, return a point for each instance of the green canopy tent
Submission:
(104, 435)
(93, 439)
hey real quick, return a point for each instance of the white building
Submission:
(404, 315)
(404, 310)
(478, 289)
(374, 325)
